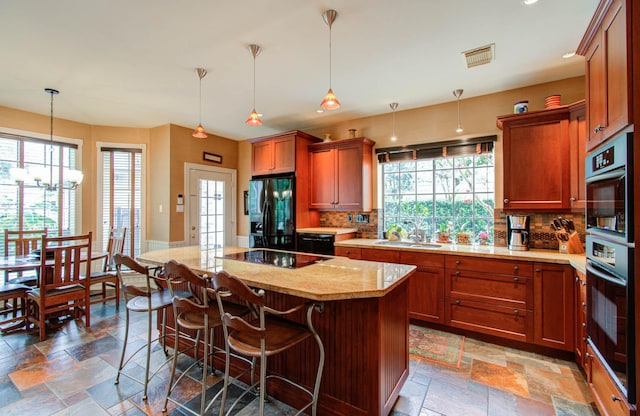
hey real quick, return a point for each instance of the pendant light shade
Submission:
(393, 106)
(199, 132)
(457, 93)
(330, 101)
(254, 118)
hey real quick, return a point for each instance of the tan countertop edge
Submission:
(327, 230)
(336, 278)
(577, 261)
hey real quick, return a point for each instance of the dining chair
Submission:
(61, 289)
(263, 336)
(149, 299)
(200, 315)
(21, 243)
(107, 277)
(14, 296)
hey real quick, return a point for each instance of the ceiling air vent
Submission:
(479, 56)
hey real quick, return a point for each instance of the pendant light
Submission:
(73, 177)
(199, 132)
(330, 101)
(457, 93)
(393, 106)
(254, 117)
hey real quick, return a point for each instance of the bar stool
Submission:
(143, 300)
(197, 314)
(265, 335)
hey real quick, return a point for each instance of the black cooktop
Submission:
(276, 258)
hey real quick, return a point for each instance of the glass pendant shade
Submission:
(254, 119)
(457, 93)
(199, 133)
(330, 101)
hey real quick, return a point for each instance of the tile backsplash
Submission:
(541, 235)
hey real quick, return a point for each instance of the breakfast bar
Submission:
(363, 323)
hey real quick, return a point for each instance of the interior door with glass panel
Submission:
(211, 220)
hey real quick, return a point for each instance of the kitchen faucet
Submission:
(416, 232)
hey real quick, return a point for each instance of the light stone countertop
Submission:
(577, 261)
(327, 230)
(336, 278)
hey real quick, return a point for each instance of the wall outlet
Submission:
(362, 218)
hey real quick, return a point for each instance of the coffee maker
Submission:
(518, 232)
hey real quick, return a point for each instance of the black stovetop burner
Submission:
(276, 258)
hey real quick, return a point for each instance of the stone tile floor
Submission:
(72, 373)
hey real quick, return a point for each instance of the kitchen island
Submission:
(363, 324)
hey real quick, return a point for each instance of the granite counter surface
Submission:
(333, 278)
(327, 230)
(577, 261)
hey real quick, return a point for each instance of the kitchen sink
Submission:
(412, 244)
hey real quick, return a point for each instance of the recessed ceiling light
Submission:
(569, 55)
(529, 2)
(319, 110)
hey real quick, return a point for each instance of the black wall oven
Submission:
(610, 260)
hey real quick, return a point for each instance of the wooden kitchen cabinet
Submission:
(536, 161)
(350, 252)
(580, 334)
(387, 256)
(607, 49)
(609, 399)
(278, 153)
(426, 286)
(490, 296)
(577, 154)
(340, 174)
(553, 306)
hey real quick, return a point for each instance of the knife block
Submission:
(573, 246)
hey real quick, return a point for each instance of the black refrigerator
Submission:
(272, 213)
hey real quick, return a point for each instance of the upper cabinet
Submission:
(536, 159)
(278, 153)
(607, 50)
(340, 174)
(577, 154)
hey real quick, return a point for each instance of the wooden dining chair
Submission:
(21, 243)
(61, 289)
(107, 277)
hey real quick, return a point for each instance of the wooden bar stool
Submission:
(264, 335)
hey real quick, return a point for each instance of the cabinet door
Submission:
(596, 92)
(609, 400)
(323, 169)
(349, 178)
(614, 37)
(578, 152)
(352, 253)
(553, 306)
(284, 154)
(536, 165)
(262, 158)
(426, 294)
(580, 338)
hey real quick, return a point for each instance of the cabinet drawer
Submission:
(388, 256)
(508, 291)
(515, 268)
(504, 322)
(422, 259)
(351, 252)
(606, 394)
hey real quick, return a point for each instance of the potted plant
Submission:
(445, 230)
(483, 238)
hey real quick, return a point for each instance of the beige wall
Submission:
(171, 146)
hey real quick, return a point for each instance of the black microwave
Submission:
(609, 186)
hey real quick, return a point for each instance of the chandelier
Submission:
(39, 176)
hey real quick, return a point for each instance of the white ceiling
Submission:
(132, 63)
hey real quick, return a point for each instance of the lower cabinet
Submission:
(553, 306)
(580, 335)
(608, 398)
(426, 286)
(350, 252)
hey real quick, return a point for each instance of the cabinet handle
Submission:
(584, 325)
(537, 270)
(457, 302)
(577, 279)
(598, 128)
(583, 283)
(588, 355)
(584, 304)
(615, 398)
(515, 279)
(516, 268)
(506, 200)
(457, 261)
(572, 199)
(516, 312)
(457, 273)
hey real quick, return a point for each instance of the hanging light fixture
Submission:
(393, 123)
(199, 132)
(330, 101)
(39, 176)
(254, 117)
(457, 93)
